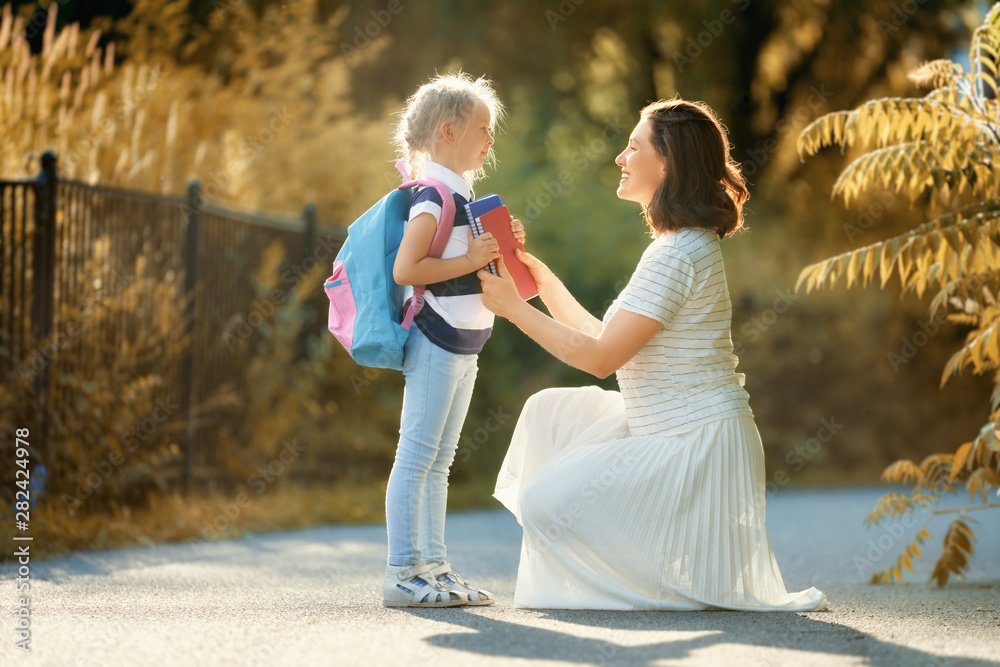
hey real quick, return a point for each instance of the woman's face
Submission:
(643, 168)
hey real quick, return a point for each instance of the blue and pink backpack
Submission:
(368, 314)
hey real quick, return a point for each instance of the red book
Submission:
(497, 222)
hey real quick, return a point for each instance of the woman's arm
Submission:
(600, 355)
(560, 302)
(414, 267)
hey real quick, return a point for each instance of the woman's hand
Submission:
(541, 274)
(499, 292)
(482, 249)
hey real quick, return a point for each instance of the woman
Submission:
(651, 498)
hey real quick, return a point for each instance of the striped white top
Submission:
(686, 374)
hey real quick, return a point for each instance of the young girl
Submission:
(445, 133)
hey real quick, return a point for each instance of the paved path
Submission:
(313, 597)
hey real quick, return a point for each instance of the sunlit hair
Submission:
(703, 186)
(450, 98)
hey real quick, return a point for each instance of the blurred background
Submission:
(282, 112)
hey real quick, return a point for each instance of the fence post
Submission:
(191, 211)
(43, 275)
(309, 220)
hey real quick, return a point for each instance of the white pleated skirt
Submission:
(654, 522)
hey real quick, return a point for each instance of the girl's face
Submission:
(472, 141)
(643, 168)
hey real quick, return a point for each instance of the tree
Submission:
(941, 150)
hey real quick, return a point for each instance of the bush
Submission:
(941, 150)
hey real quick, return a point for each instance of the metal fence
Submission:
(65, 245)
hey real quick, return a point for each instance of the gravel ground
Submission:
(313, 597)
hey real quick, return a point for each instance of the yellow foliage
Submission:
(273, 122)
(956, 552)
(903, 472)
(896, 504)
(895, 571)
(981, 480)
(942, 150)
(936, 74)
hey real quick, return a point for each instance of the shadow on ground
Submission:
(697, 631)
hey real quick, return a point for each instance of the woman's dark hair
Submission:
(703, 186)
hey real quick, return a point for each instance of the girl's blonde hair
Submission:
(445, 98)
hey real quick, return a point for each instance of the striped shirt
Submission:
(686, 374)
(453, 316)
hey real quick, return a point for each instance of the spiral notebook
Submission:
(488, 214)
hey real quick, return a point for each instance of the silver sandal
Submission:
(414, 586)
(442, 573)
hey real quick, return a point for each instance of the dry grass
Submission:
(268, 126)
(203, 517)
(174, 518)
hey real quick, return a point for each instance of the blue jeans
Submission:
(435, 401)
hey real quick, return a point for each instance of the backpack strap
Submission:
(415, 304)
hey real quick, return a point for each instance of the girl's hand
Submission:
(541, 274)
(499, 292)
(518, 230)
(482, 249)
